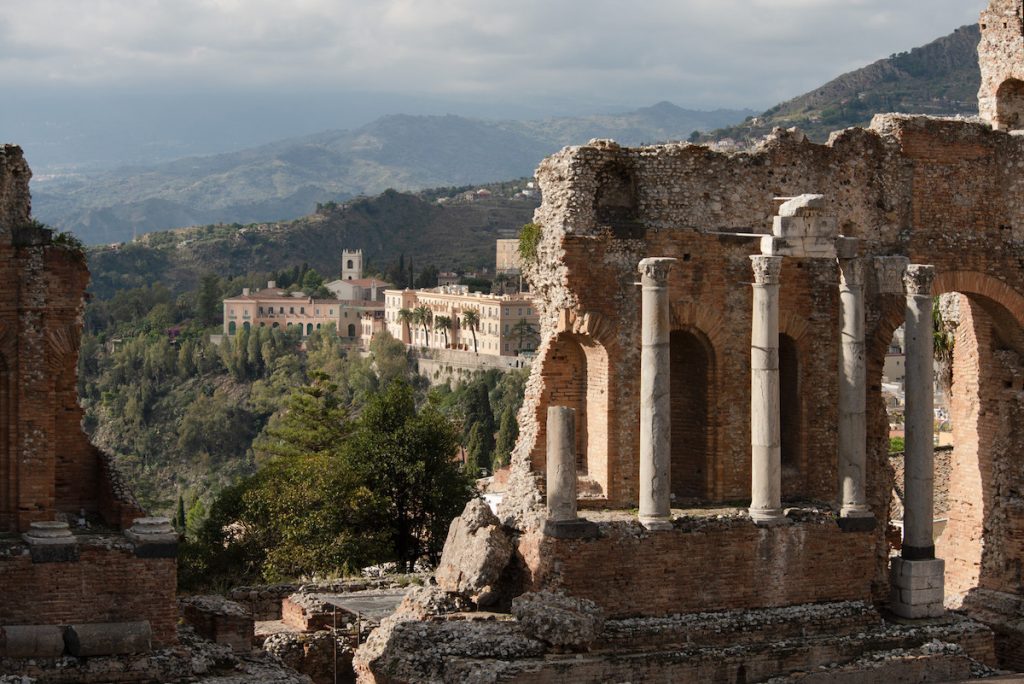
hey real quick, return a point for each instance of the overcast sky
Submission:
(533, 57)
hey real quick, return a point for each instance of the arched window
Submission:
(232, 327)
(246, 325)
(1010, 105)
(309, 328)
(351, 330)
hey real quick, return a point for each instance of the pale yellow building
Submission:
(507, 258)
(509, 324)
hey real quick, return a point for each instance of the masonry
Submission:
(770, 396)
(75, 547)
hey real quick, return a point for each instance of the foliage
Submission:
(896, 445)
(529, 239)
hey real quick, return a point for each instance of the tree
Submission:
(444, 324)
(405, 318)
(208, 302)
(525, 332)
(508, 432)
(428, 277)
(423, 315)
(406, 461)
(315, 421)
(471, 319)
(179, 517)
(943, 342)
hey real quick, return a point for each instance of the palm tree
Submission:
(423, 315)
(471, 319)
(444, 324)
(405, 318)
(525, 331)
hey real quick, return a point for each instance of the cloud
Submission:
(694, 52)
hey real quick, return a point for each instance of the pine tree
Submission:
(179, 518)
(508, 432)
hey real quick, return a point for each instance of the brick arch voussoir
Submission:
(60, 343)
(689, 315)
(984, 285)
(586, 324)
(795, 326)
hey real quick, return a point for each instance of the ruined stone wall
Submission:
(47, 465)
(713, 563)
(108, 583)
(1001, 54)
(941, 192)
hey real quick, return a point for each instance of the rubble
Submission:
(475, 554)
(559, 620)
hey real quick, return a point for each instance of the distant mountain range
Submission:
(286, 179)
(941, 78)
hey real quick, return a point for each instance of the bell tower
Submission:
(351, 264)
(1001, 58)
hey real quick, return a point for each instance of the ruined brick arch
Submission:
(978, 283)
(792, 411)
(1010, 105)
(697, 335)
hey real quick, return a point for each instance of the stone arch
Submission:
(616, 203)
(693, 391)
(1010, 105)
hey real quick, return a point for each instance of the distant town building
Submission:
(445, 278)
(276, 308)
(359, 289)
(351, 264)
(508, 324)
(507, 258)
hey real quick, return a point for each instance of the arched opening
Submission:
(232, 328)
(691, 386)
(576, 376)
(349, 265)
(615, 202)
(309, 328)
(791, 417)
(246, 325)
(979, 475)
(1010, 105)
(351, 330)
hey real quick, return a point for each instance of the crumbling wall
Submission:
(938, 191)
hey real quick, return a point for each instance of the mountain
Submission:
(457, 232)
(941, 78)
(288, 178)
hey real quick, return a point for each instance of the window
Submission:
(282, 310)
(291, 309)
(261, 311)
(332, 312)
(318, 312)
(302, 309)
(519, 311)
(529, 311)
(506, 311)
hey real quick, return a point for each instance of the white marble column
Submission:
(852, 380)
(655, 402)
(561, 464)
(917, 576)
(919, 413)
(765, 440)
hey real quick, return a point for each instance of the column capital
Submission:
(654, 270)
(851, 272)
(918, 279)
(766, 269)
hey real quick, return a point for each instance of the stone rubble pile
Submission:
(559, 620)
(476, 553)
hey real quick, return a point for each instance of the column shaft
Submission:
(765, 441)
(919, 456)
(852, 380)
(561, 464)
(655, 401)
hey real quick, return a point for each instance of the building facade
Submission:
(275, 308)
(507, 325)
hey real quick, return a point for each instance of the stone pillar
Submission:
(655, 403)
(765, 441)
(561, 464)
(855, 515)
(917, 576)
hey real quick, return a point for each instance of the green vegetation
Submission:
(896, 445)
(529, 239)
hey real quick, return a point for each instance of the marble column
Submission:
(917, 576)
(561, 464)
(655, 403)
(765, 440)
(852, 380)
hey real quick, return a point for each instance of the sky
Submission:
(296, 66)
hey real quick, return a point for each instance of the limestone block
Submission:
(475, 553)
(559, 620)
(31, 641)
(51, 542)
(109, 638)
(802, 205)
(917, 587)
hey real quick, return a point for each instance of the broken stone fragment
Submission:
(475, 554)
(560, 620)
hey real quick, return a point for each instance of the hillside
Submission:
(941, 78)
(288, 178)
(456, 234)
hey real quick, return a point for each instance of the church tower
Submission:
(351, 264)
(1001, 58)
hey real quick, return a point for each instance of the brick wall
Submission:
(724, 564)
(107, 584)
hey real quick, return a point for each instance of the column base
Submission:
(768, 517)
(656, 523)
(917, 588)
(579, 528)
(857, 520)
